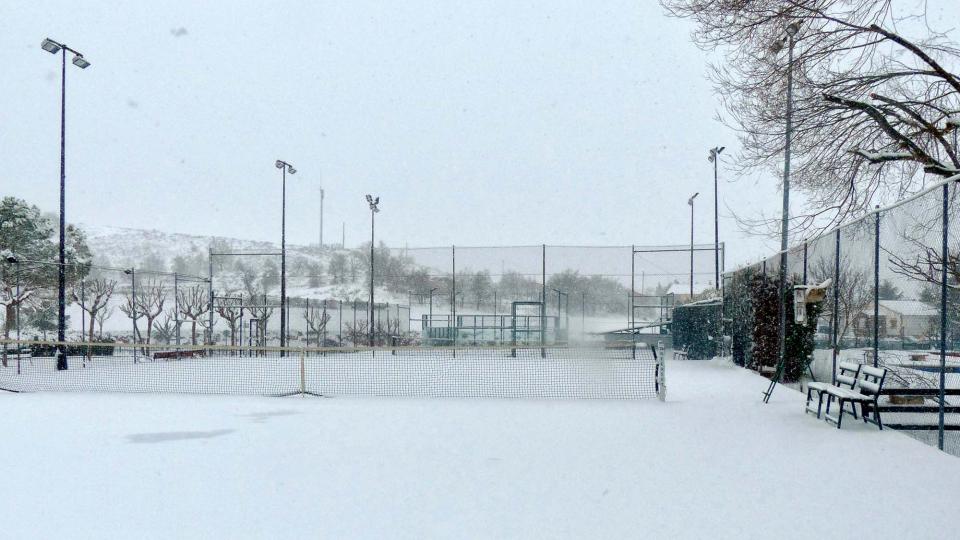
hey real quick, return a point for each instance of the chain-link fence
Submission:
(445, 296)
(893, 301)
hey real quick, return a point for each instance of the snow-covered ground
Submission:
(711, 462)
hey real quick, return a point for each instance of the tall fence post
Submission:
(943, 315)
(836, 307)
(543, 301)
(453, 298)
(633, 294)
(876, 288)
(210, 296)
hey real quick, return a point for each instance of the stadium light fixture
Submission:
(54, 47)
(284, 168)
(50, 46)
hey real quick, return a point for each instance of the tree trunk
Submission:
(11, 313)
(193, 331)
(93, 321)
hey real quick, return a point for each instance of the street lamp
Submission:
(373, 202)
(285, 168)
(789, 40)
(714, 158)
(54, 47)
(133, 307)
(690, 202)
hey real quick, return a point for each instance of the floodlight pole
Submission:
(715, 158)
(784, 232)
(690, 202)
(373, 210)
(284, 168)
(371, 276)
(790, 31)
(54, 47)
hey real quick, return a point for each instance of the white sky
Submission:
(488, 123)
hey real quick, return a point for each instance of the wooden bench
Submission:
(680, 355)
(167, 355)
(866, 393)
(846, 379)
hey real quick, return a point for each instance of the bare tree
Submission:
(102, 317)
(130, 308)
(261, 311)
(165, 327)
(230, 308)
(193, 306)
(873, 109)
(150, 300)
(92, 298)
(357, 332)
(316, 321)
(854, 292)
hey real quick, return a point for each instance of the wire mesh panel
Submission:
(588, 289)
(498, 289)
(424, 281)
(821, 258)
(856, 289)
(910, 313)
(668, 268)
(951, 364)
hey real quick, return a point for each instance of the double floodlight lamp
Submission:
(281, 164)
(791, 30)
(373, 201)
(715, 153)
(53, 47)
(690, 200)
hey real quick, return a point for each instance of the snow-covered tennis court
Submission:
(711, 462)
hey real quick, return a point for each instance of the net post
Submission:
(303, 373)
(661, 371)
